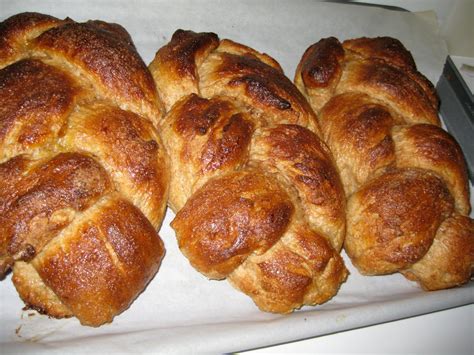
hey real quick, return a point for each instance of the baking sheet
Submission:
(181, 311)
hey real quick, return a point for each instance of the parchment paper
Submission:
(181, 310)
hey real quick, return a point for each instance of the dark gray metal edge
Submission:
(457, 111)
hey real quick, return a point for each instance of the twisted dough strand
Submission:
(405, 178)
(257, 197)
(83, 174)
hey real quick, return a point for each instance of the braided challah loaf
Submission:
(404, 177)
(257, 197)
(83, 174)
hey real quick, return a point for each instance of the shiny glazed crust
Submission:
(405, 178)
(83, 172)
(257, 197)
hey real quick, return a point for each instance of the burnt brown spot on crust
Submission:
(258, 88)
(229, 218)
(321, 63)
(108, 58)
(43, 202)
(198, 115)
(36, 96)
(28, 253)
(227, 145)
(263, 83)
(388, 49)
(181, 52)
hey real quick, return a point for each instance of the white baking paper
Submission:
(182, 311)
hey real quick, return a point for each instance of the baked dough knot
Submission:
(258, 199)
(83, 172)
(405, 178)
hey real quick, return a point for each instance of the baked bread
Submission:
(404, 177)
(83, 173)
(257, 197)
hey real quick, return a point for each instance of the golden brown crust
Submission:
(113, 65)
(302, 268)
(392, 220)
(257, 85)
(357, 129)
(440, 269)
(321, 65)
(138, 164)
(307, 164)
(113, 29)
(118, 243)
(16, 31)
(199, 63)
(32, 115)
(35, 294)
(257, 197)
(230, 218)
(175, 65)
(404, 177)
(83, 172)
(387, 49)
(390, 85)
(47, 199)
(208, 137)
(320, 70)
(392, 51)
(231, 47)
(438, 151)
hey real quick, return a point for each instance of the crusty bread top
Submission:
(257, 197)
(404, 176)
(83, 173)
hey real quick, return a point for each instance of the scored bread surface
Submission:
(83, 173)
